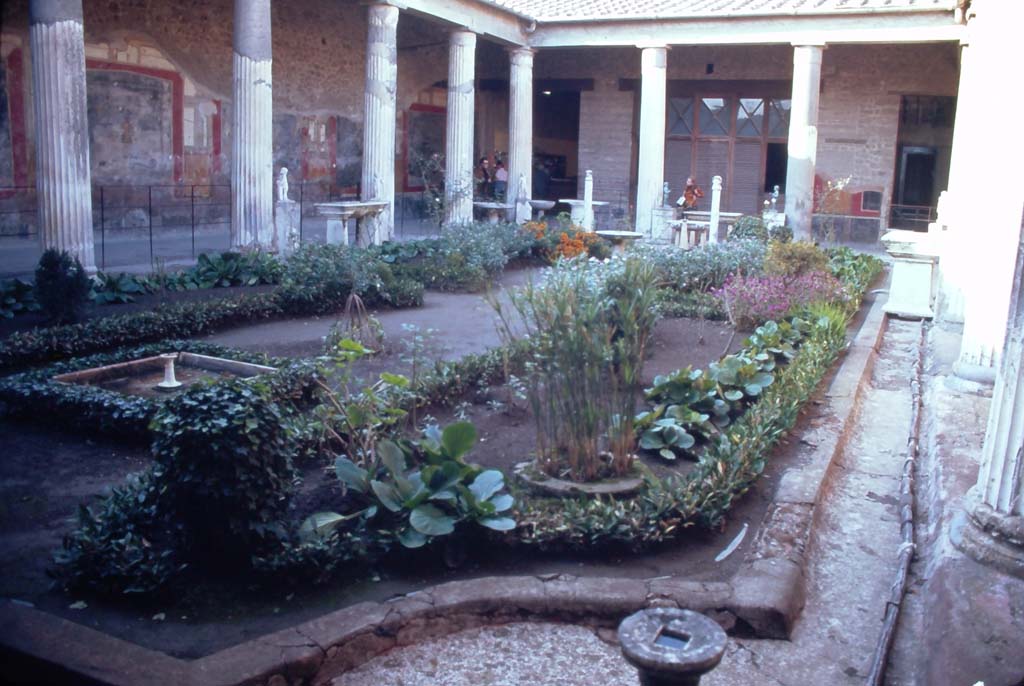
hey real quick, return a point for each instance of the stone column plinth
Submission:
(520, 128)
(252, 166)
(803, 139)
(63, 190)
(651, 169)
(912, 291)
(381, 104)
(459, 143)
(992, 531)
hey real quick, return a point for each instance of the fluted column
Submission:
(459, 144)
(986, 192)
(651, 170)
(61, 128)
(520, 128)
(379, 121)
(803, 140)
(993, 530)
(252, 165)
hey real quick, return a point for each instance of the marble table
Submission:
(576, 208)
(541, 206)
(620, 239)
(338, 214)
(495, 210)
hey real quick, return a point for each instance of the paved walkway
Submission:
(852, 564)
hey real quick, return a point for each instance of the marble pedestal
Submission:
(912, 293)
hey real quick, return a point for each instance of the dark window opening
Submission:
(775, 167)
(871, 201)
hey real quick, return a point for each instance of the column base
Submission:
(975, 373)
(992, 538)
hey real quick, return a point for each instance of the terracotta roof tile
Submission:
(596, 10)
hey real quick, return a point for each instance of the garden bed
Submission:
(53, 472)
(674, 530)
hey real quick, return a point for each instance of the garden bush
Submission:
(749, 226)
(790, 260)
(705, 267)
(587, 323)
(752, 300)
(16, 297)
(62, 286)
(223, 461)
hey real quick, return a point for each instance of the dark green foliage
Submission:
(223, 457)
(121, 545)
(16, 297)
(167, 321)
(430, 498)
(116, 289)
(749, 226)
(36, 397)
(730, 464)
(62, 286)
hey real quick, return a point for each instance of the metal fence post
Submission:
(302, 186)
(149, 190)
(103, 233)
(193, 221)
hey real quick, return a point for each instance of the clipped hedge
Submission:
(34, 395)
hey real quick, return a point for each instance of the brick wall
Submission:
(858, 117)
(606, 142)
(319, 70)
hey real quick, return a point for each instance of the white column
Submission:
(252, 165)
(63, 190)
(993, 530)
(381, 105)
(987, 195)
(459, 143)
(803, 139)
(651, 170)
(716, 208)
(588, 201)
(520, 129)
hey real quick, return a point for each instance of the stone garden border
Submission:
(765, 596)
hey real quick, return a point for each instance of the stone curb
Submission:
(769, 588)
(765, 596)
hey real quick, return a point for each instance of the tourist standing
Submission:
(500, 181)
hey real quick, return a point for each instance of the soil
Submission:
(46, 475)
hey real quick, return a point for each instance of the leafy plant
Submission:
(358, 325)
(62, 287)
(431, 498)
(223, 461)
(752, 300)
(749, 226)
(120, 288)
(16, 297)
(587, 325)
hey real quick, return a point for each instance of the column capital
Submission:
(52, 11)
(811, 44)
(252, 29)
(383, 10)
(521, 55)
(653, 46)
(462, 36)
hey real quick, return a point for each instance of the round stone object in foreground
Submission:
(671, 647)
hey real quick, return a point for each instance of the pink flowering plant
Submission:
(753, 300)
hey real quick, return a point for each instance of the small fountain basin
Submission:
(142, 377)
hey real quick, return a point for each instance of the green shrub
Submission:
(168, 321)
(793, 260)
(749, 226)
(114, 289)
(705, 267)
(62, 286)
(223, 460)
(122, 544)
(16, 297)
